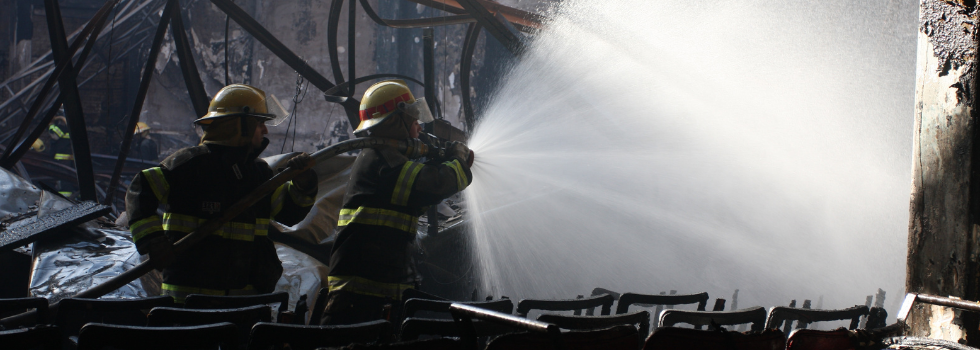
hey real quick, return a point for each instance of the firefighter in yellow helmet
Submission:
(143, 147)
(198, 183)
(60, 149)
(370, 263)
(61, 140)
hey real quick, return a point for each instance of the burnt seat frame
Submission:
(576, 305)
(204, 301)
(754, 315)
(628, 299)
(804, 317)
(641, 320)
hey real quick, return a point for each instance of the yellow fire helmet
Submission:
(38, 146)
(241, 99)
(383, 98)
(141, 127)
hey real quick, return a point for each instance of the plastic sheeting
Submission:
(301, 275)
(66, 266)
(318, 226)
(16, 194)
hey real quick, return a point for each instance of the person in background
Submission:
(143, 147)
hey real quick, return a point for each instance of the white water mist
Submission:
(647, 146)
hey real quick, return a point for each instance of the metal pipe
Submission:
(912, 298)
(464, 314)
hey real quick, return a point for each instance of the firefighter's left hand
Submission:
(301, 161)
(307, 180)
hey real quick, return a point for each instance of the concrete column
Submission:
(942, 250)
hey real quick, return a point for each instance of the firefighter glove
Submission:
(161, 251)
(301, 161)
(459, 150)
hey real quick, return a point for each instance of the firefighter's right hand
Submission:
(161, 251)
(459, 150)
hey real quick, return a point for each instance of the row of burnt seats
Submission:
(252, 330)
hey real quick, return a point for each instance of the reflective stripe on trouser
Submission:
(63, 156)
(378, 217)
(180, 293)
(144, 227)
(461, 181)
(367, 287)
(403, 186)
(158, 183)
(232, 230)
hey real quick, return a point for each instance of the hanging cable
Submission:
(297, 98)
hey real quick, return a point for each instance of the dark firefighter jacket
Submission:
(195, 184)
(378, 222)
(61, 145)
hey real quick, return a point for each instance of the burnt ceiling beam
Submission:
(526, 21)
(415, 23)
(192, 77)
(13, 151)
(72, 103)
(258, 32)
(495, 25)
(173, 6)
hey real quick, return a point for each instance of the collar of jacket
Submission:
(237, 155)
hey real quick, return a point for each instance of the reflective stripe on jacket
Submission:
(378, 222)
(200, 183)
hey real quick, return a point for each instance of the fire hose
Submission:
(411, 148)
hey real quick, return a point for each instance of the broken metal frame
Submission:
(81, 153)
(479, 13)
(9, 158)
(192, 78)
(14, 105)
(169, 11)
(261, 34)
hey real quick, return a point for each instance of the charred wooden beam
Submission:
(34, 228)
(944, 228)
